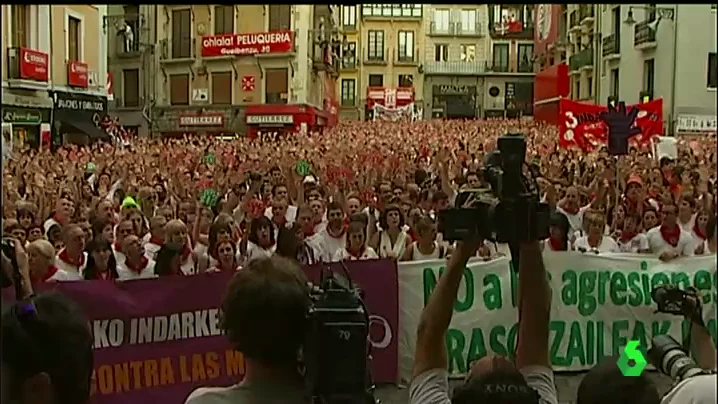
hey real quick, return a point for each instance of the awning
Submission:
(88, 128)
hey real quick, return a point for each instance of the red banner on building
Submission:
(546, 26)
(247, 44)
(33, 65)
(582, 127)
(77, 74)
(389, 97)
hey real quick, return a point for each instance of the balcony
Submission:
(525, 67)
(644, 36)
(324, 57)
(349, 102)
(497, 66)
(182, 50)
(469, 30)
(376, 56)
(348, 64)
(512, 30)
(349, 28)
(574, 25)
(406, 60)
(443, 30)
(586, 13)
(612, 47)
(392, 11)
(456, 67)
(582, 60)
(126, 33)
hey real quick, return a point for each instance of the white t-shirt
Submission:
(659, 245)
(67, 271)
(343, 255)
(125, 273)
(240, 394)
(290, 215)
(575, 222)
(327, 246)
(255, 251)
(689, 225)
(639, 242)
(694, 390)
(608, 244)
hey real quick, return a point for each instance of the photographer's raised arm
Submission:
(704, 352)
(534, 308)
(436, 317)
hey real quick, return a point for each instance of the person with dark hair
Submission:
(356, 247)
(392, 240)
(558, 239)
(101, 263)
(669, 241)
(103, 227)
(226, 253)
(711, 229)
(264, 318)
(168, 260)
(260, 240)
(292, 244)
(46, 352)
(604, 384)
(333, 237)
(492, 379)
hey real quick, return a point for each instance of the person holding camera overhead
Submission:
(492, 379)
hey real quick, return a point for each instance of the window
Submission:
(376, 80)
(617, 20)
(391, 10)
(468, 53)
(181, 40)
(441, 20)
(376, 45)
(649, 75)
(131, 87)
(349, 88)
(712, 70)
(468, 20)
(221, 87)
(501, 57)
(223, 19)
(577, 89)
(615, 85)
(132, 18)
(349, 16)
(277, 86)
(279, 17)
(179, 89)
(349, 57)
(20, 25)
(73, 39)
(525, 55)
(589, 86)
(406, 45)
(441, 52)
(406, 80)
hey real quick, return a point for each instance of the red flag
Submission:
(582, 127)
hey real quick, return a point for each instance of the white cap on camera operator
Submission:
(699, 389)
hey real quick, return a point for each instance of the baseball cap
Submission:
(634, 179)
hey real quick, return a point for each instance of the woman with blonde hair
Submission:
(176, 232)
(41, 258)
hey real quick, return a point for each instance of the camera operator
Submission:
(23, 267)
(265, 308)
(492, 379)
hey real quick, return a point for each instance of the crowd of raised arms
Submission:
(360, 190)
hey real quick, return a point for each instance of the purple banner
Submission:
(156, 340)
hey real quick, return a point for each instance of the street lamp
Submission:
(661, 12)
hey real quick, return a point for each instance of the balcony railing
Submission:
(643, 34)
(512, 30)
(470, 29)
(349, 63)
(404, 59)
(443, 30)
(349, 102)
(349, 27)
(376, 56)
(127, 42)
(178, 49)
(612, 45)
(581, 59)
(525, 67)
(586, 12)
(498, 66)
(455, 67)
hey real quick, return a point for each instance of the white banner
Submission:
(599, 303)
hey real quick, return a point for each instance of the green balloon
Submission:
(304, 168)
(210, 158)
(209, 197)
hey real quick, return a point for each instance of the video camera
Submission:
(336, 350)
(509, 211)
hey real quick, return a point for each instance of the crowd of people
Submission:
(358, 191)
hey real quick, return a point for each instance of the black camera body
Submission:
(509, 211)
(8, 250)
(336, 350)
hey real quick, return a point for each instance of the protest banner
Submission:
(599, 303)
(581, 124)
(156, 340)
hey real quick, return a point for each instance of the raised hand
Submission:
(621, 127)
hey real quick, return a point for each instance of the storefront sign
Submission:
(270, 119)
(202, 120)
(696, 123)
(77, 104)
(20, 116)
(450, 89)
(397, 97)
(247, 44)
(77, 74)
(33, 65)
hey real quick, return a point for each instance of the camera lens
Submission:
(668, 356)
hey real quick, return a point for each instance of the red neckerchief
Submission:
(346, 221)
(49, 273)
(356, 254)
(556, 244)
(65, 257)
(279, 221)
(570, 211)
(156, 240)
(671, 236)
(186, 251)
(56, 218)
(118, 246)
(308, 232)
(627, 236)
(412, 234)
(589, 242)
(341, 232)
(223, 269)
(104, 275)
(137, 269)
(697, 230)
(267, 246)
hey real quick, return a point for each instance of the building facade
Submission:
(54, 73)
(552, 82)
(666, 52)
(582, 51)
(242, 69)
(382, 58)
